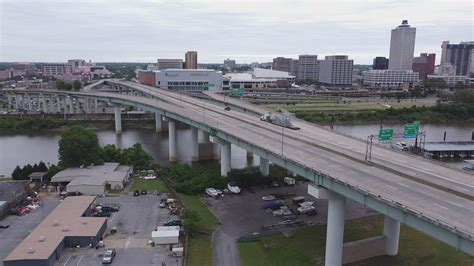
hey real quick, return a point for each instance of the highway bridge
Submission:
(407, 189)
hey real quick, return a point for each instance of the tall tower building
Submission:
(282, 64)
(459, 55)
(402, 47)
(191, 60)
(308, 67)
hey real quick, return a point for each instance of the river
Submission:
(21, 149)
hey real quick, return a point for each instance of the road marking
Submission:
(403, 185)
(67, 260)
(455, 204)
(113, 216)
(441, 206)
(80, 260)
(392, 187)
(127, 243)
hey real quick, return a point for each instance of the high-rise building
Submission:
(424, 65)
(380, 63)
(389, 78)
(282, 64)
(229, 63)
(308, 67)
(459, 55)
(402, 47)
(169, 64)
(191, 60)
(56, 69)
(336, 70)
(295, 65)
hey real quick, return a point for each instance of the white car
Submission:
(212, 192)
(232, 186)
(268, 198)
(306, 209)
(401, 146)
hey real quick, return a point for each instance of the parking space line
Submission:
(80, 260)
(113, 216)
(67, 260)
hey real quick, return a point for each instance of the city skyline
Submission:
(94, 30)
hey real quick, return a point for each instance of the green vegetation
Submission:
(151, 184)
(194, 179)
(134, 156)
(307, 247)
(79, 146)
(22, 173)
(460, 110)
(15, 124)
(200, 223)
(123, 70)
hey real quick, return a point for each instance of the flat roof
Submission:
(270, 73)
(449, 146)
(166, 231)
(66, 220)
(92, 175)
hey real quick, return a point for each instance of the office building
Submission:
(282, 64)
(336, 70)
(163, 64)
(56, 69)
(295, 63)
(389, 78)
(188, 79)
(146, 77)
(380, 63)
(459, 55)
(452, 80)
(402, 47)
(424, 65)
(282, 76)
(446, 69)
(248, 81)
(308, 68)
(191, 60)
(229, 63)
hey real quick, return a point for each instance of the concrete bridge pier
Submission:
(249, 155)
(172, 139)
(391, 229)
(86, 104)
(51, 103)
(264, 166)
(71, 105)
(225, 157)
(9, 99)
(194, 144)
(335, 230)
(17, 101)
(29, 102)
(203, 137)
(95, 106)
(118, 120)
(160, 125)
(43, 102)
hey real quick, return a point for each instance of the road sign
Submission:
(411, 130)
(386, 134)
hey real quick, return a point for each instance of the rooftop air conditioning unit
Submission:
(55, 223)
(65, 229)
(41, 239)
(31, 251)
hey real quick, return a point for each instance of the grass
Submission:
(200, 246)
(307, 247)
(151, 185)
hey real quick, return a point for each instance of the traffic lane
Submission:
(377, 183)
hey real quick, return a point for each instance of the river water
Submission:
(21, 149)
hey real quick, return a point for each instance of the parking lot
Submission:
(20, 226)
(137, 218)
(243, 215)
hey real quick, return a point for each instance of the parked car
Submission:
(212, 192)
(136, 193)
(106, 208)
(275, 184)
(173, 223)
(144, 192)
(227, 108)
(289, 181)
(272, 206)
(268, 198)
(298, 200)
(232, 186)
(108, 256)
(102, 214)
(306, 209)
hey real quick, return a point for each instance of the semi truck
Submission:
(279, 120)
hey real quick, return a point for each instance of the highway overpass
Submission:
(406, 189)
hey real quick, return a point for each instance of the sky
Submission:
(244, 30)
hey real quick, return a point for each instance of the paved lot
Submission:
(20, 226)
(242, 215)
(138, 216)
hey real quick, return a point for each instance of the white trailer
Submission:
(165, 235)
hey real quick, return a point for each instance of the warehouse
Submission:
(66, 226)
(94, 180)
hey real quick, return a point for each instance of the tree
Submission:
(42, 167)
(53, 169)
(60, 85)
(68, 87)
(136, 157)
(111, 153)
(76, 85)
(16, 174)
(79, 146)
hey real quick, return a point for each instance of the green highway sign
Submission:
(386, 134)
(411, 130)
(208, 85)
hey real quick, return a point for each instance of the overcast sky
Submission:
(245, 30)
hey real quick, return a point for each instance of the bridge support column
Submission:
(95, 106)
(51, 103)
(17, 101)
(225, 157)
(391, 229)
(43, 102)
(264, 167)
(71, 105)
(194, 144)
(249, 155)
(335, 230)
(9, 99)
(172, 140)
(158, 123)
(203, 137)
(29, 103)
(118, 120)
(86, 103)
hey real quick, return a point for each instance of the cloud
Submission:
(245, 30)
